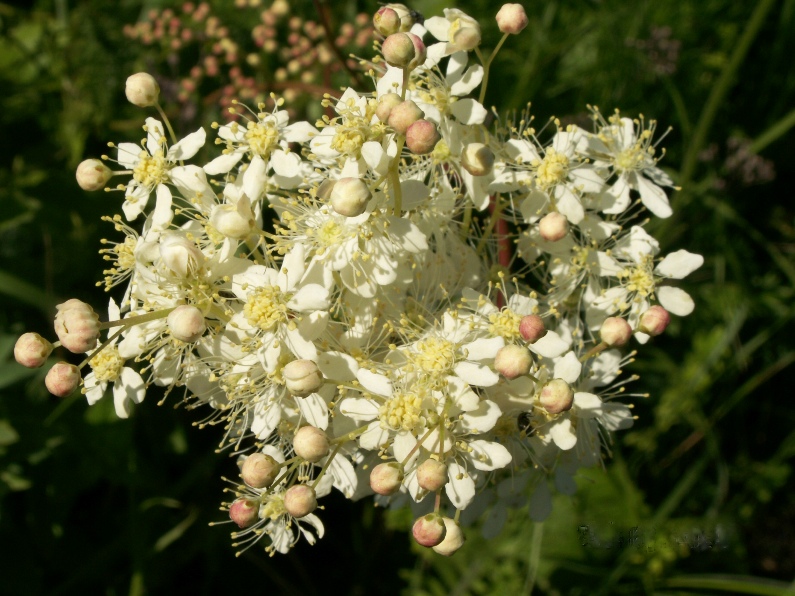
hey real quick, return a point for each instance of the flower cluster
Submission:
(402, 298)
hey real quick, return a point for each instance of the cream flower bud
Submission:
(311, 443)
(652, 322)
(398, 50)
(300, 500)
(429, 530)
(511, 18)
(615, 332)
(404, 115)
(453, 538)
(186, 323)
(386, 21)
(302, 377)
(386, 478)
(464, 33)
(513, 361)
(232, 221)
(259, 470)
(407, 19)
(181, 255)
(32, 350)
(420, 51)
(244, 512)
(422, 136)
(532, 328)
(62, 379)
(77, 326)
(92, 174)
(553, 226)
(142, 90)
(556, 396)
(477, 159)
(432, 475)
(385, 104)
(350, 196)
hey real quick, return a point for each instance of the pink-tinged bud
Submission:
(420, 51)
(302, 377)
(350, 196)
(244, 512)
(300, 500)
(615, 332)
(429, 530)
(385, 104)
(553, 226)
(511, 18)
(386, 21)
(386, 478)
(453, 538)
(421, 137)
(92, 174)
(654, 321)
(477, 159)
(398, 50)
(259, 470)
(407, 19)
(142, 90)
(556, 396)
(186, 323)
(77, 326)
(432, 475)
(181, 255)
(532, 328)
(32, 350)
(311, 443)
(513, 361)
(404, 115)
(62, 379)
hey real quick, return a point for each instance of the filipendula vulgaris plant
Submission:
(376, 338)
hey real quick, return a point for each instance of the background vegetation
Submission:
(698, 497)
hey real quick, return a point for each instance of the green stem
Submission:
(594, 351)
(404, 86)
(326, 465)
(495, 217)
(773, 133)
(535, 557)
(417, 446)
(167, 122)
(131, 321)
(487, 66)
(350, 436)
(101, 347)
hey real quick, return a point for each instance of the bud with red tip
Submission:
(511, 18)
(420, 51)
(398, 50)
(556, 396)
(654, 321)
(32, 350)
(532, 328)
(244, 512)
(259, 470)
(422, 136)
(429, 530)
(553, 226)
(62, 379)
(432, 475)
(513, 361)
(404, 115)
(385, 104)
(386, 21)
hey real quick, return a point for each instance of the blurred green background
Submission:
(698, 497)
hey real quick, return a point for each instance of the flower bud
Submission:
(420, 51)
(243, 512)
(477, 159)
(259, 470)
(513, 361)
(511, 18)
(302, 377)
(532, 328)
(453, 538)
(407, 19)
(142, 90)
(553, 226)
(421, 137)
(32, 350)
(311, 443)
(386, 21)
(386, 478)
(653, 322)
(432, 475)
(615, 332)
(186, 323)
(230, 221)
(350, 196)
(404, 115)
(300, 500)
(385, 104)
(398, 50)
(77, 326)
(62, 379)
(556, 396)
(464, 33)
(92, 174)
(180, 255)
(429, 530)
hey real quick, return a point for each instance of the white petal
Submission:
(549, 346)
(587, 179)
(483, 418)
(679, 264)
(299, 346)
(675, 300)
(223, 163)
(314, 409)
(568, 368)
(374, 383)
(285, 163)
(488, 455)
(359, 409)
(127, 154)
(312, 325)
(374, 437)
(653, 197)
(187, 147)
(563, 435)
(569, 205)
(375, 157)
(127, 390)
(483, 348)
(461, 488)
(310, 297)
(344, 475)
(476, 374)
(154, 135)
(162, 215)
(471, 79)
(254, 178)
(469, 111)
(337, 366)
(299, 132)
(438, 27)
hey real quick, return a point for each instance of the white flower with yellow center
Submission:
(456, 31)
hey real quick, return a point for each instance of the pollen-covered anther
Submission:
(186, 323)
(92, 174)
(386, 21)
(453, 538)
(243, 512)
(513, 361)
(553, 226)
(556, 396)
(77, 326)
(477, 159)
(532, 328)
(300, 500)
(422, 136)
(32, 350)
(62, 379)
(615, 332)
(302, 377)
(259, 470)
(432, 474)
(511, 18)
(398, 50)
(654, 321)
(311, 443)
(404, 115)
(386, 478)
(429, 530)
(350, 196)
